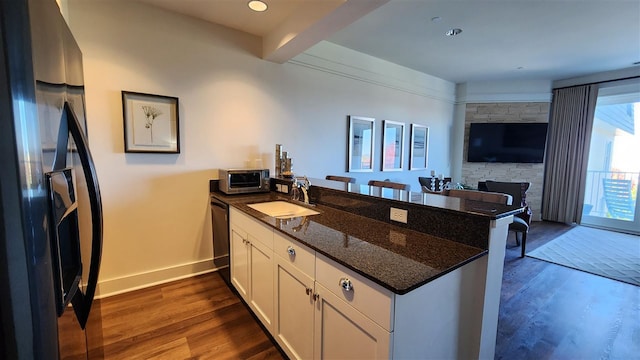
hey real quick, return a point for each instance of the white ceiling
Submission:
(234, 13)
(501, 39)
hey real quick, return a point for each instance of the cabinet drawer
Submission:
(369, 298)
(303, 257)
(256, 229)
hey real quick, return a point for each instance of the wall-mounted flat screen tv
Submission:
(507, 142)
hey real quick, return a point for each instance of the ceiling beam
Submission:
(308, 26)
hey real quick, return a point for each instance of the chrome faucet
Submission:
(302, 226)
(301, 183)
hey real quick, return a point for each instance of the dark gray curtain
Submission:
(569, 135)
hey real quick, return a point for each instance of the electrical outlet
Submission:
(399, 215)
(397, 238)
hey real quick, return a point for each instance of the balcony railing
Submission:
(594, 199)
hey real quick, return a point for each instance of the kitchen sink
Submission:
(282, 209)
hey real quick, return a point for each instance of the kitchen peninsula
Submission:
(350, 282)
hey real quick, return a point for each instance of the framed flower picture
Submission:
(151, 123)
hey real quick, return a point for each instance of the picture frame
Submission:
(392, 145)
(419, 154)
(361, 141)
(151, 123)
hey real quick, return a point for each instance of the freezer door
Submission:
(27, 306)
(58, 73)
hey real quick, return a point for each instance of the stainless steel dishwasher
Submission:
(220, 224)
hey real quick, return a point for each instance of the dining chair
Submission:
(521, 222)
(484, 196)
(389, 184)
(344, 179)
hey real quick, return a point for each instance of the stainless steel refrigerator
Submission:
(50, 205)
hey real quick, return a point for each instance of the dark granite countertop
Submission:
(441, 202)
(397, 258)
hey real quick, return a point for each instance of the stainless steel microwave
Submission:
(243, 181)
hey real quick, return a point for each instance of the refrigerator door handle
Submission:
(95, 202)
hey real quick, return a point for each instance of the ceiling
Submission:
(500, 39)
(234, 13)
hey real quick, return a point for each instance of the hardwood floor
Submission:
(194, 318)
(547, 312)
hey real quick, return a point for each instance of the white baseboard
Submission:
(132, 282)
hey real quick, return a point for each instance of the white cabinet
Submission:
(240, 261)
(261, 280)
(252, 264)
(313, 322)
(342, 332)
(369, 298)
(282, 281)
(294, 302)
(316, 308)
(353, 317)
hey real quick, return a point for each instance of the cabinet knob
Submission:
(346, 284)
(291, 251)
(308, 291)
(316, 297)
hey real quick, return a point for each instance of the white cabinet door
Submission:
(342, 332)
(293, 325)
(252, 264)
(261, 281)
(240, 262)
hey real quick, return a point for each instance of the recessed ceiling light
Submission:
(636, 63)
(520, 68)
(257, 5)
(436, 18)
(453, 32)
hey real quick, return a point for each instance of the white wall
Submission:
(505, 91)
(234, 107)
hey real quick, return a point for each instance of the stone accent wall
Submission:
(506, 112)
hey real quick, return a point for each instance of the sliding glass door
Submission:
(611, 194)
